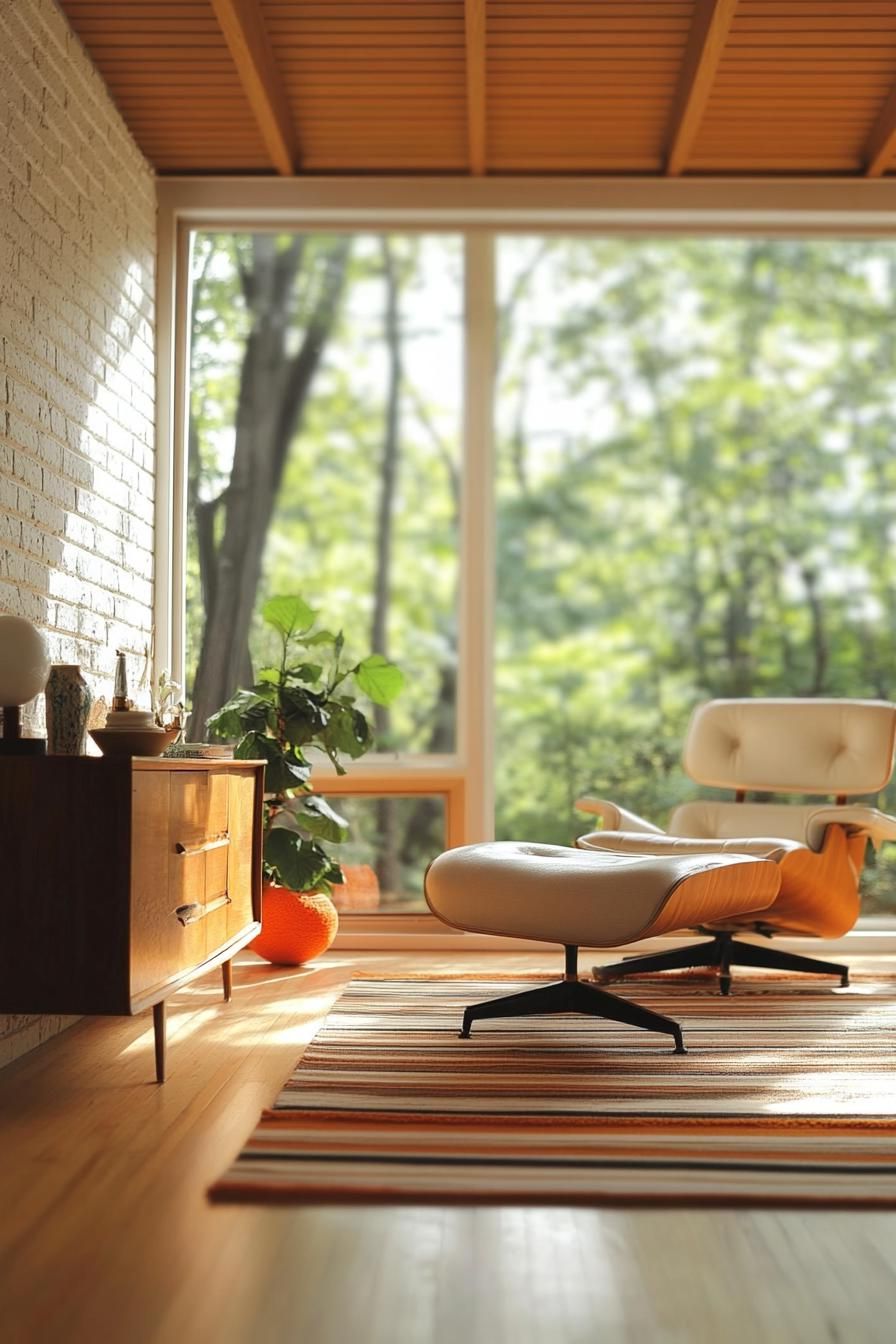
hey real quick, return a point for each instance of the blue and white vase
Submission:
(68, 700)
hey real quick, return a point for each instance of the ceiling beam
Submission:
(706, 42)
(244, 32)
(474, 30)
(881, 144)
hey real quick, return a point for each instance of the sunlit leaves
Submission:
(288, 615)
(379, 679)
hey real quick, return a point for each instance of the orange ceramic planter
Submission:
(296, 926)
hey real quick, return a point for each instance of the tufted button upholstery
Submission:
(792, 746)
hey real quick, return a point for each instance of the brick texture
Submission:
(77, 376)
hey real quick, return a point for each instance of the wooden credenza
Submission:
(121, 880)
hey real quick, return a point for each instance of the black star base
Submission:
(722, 951)
(572, 995)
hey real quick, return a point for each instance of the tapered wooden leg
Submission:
(227, 977)
(158, 1023)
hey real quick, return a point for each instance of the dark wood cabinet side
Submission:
(65, 832)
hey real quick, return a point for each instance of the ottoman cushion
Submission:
(590, 898)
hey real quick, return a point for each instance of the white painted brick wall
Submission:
(77, 380)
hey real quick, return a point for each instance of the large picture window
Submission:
(693, 485)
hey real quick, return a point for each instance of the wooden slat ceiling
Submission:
(648, 87)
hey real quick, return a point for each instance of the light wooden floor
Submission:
(106, 1235)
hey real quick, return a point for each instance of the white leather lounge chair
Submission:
(839, 748)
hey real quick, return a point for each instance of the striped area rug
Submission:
(787, 1096)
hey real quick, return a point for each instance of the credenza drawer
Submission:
(199, 804)
(201, 896)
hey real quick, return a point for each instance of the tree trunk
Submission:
(273, 392)
(819, 632)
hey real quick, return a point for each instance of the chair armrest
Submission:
(657, 846)
(856, 819)
(614, 817)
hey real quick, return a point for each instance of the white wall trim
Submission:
(653, 204)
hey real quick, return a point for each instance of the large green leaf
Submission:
(304, 716)
(283, 770)
(289, 615)
(247, 711)
(307, 672)
(379, 679)
(298, 864)
(315, 815)
(347, 731)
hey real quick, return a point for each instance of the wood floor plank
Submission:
(103, 1179)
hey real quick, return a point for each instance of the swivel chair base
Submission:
(572, 995)
(723, 952)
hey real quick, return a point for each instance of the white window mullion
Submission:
(181, 439)
(477, 567)
(167, 593)
(172, 391)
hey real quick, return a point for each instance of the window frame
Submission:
(479, 211)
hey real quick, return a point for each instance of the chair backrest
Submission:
(838, 747)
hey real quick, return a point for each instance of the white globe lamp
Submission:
(24, 668)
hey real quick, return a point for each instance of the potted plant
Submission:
(306, 700)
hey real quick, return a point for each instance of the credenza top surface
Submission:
(134, 762)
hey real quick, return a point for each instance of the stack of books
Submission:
(199, 751)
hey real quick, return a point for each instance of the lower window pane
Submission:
(391, 841)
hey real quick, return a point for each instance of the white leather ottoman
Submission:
(586, 898)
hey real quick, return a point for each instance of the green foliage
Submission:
(289, 616)
(379, 679)
(696, 489)
(295, 706)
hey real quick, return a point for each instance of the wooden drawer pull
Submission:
(214, 842)
(191, 914)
